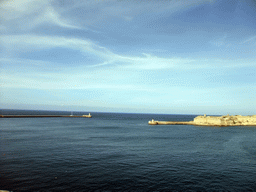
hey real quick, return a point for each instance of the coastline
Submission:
(221, 121)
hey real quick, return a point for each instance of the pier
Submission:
(41, 116)
(153, 122)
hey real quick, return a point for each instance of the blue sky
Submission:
(174, 57)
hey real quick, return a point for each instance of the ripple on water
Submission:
(71, 155)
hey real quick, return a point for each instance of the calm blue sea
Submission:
(121, 152)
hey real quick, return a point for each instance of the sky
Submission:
(169, 56)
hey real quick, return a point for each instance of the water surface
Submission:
(121, 152)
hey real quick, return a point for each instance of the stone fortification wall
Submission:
(226, 120)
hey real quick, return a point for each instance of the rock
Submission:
(226, 120)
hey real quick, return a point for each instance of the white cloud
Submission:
(24, 43)
(51, 16)
(32, 42)
(16, 9)
(20, 43)
(97, 12)
(28, 14)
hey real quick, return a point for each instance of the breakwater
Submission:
(41, 116)
(222, 121)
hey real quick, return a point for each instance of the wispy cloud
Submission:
(25, 43)
(149, 62)
(17, 9)
(19, 43)
(51, 16)
(97, 12)
(145, 53)
(249, 40)
(28, 14)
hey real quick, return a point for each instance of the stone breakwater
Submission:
(227, 120)
(40, 116)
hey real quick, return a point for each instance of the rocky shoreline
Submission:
(222, 121)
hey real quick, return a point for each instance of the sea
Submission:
(121, 152)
